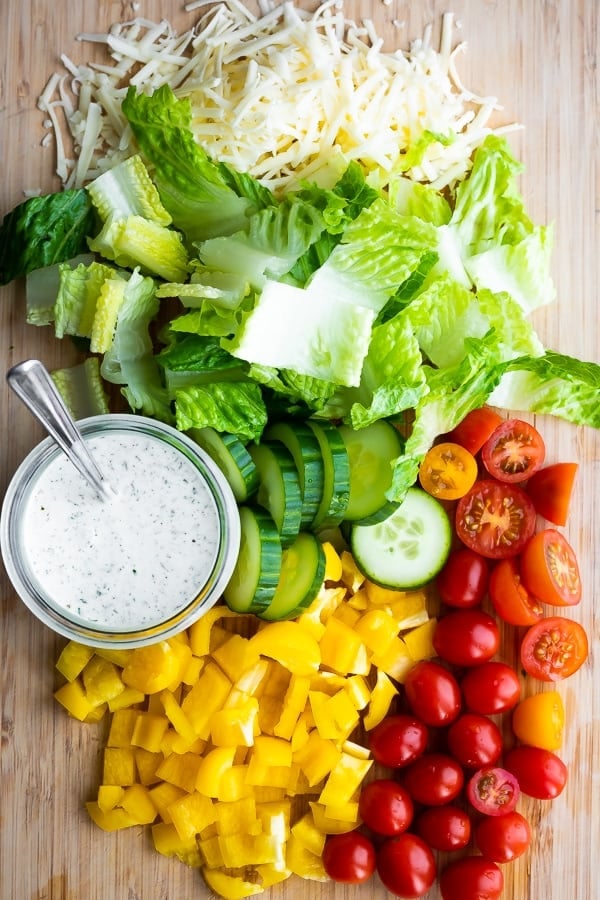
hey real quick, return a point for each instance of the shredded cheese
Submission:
(280, 95)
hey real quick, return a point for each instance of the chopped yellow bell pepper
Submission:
(358, 691)
(153, 668)
(121, 728)
(237, 817)
(180, 769)
(118, 656)
(303, 862)
(109, 796)
(377, 628)
(128, 697)
(235, 726)
(294, 702)
(396, 661)
(306, 831)
(326, 823)
(230, 887)
(210, 852)
(138, 803)
(344, 780)
(211, 770)
(290, 644)
(344, 812)
(119, 766)
(177, 717)
(333, 563)
(72, 696)
(205, 698)
(410, 610)
(269, 875)
(341, 648)
(191, 814)
(199, 631)
(352, 577)
(146, 764)
(419, 641)
(73, 659)
(235, 656)
(149, 731)
(317, 757)
(233, 784)
(241, 850)
(167, 841)
(112, 819)
(162, 795)
(382, 696)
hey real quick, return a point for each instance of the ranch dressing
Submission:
(130, 562)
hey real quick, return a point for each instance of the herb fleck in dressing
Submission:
(133, 561)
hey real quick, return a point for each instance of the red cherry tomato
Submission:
(474, 430)
(406, 865)
(386, 807)
(494, 519)
(349, 857)
(444, 827)
(503, 838)
(463, 581)
(549, 569)
(511, 600)
(398, 740)
(472, 878)
(513, 451)
(493, 791)
(540, 773)
(491, 688)
(554, 648)
(466, 637)
(432, 693)
(434, 779)
(475, 741)
(550, 489)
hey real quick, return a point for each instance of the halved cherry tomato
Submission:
(432, 693)
(503, 838)
(444, 827)
(475, 741)
(398, 740)
(472, 878)
(549, 569)
(448, 471)
(463, 581)
(385, 807)
(349, 858)
(466, 637)
(539, 720)
(551, 488)
(493, 790)
(406, 865)
(491, 688)
(554, 648)
(540, 773)
(475, 429)
(496, 520)
(514, 451)
(513, 603)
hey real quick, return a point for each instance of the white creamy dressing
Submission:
(130, 562)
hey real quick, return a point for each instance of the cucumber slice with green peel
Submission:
(279, 487)
(336, 476)
(301, 442)
(301, 578)
(255, 577)
(232, 457)
(409, 548)
(371, 451)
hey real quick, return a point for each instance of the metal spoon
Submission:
(32, 383)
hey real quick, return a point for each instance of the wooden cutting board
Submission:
(541, 60)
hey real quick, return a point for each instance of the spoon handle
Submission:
(32, 383)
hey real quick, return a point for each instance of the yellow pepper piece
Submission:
(324, 717)
(237, 817)
(233, 784)
(352, 577)
(272, 751)
(73, 659)
(73, 697)
(377, 628)
(269, 875)
(149, 731)
(328, 825)
(381, 596)
(410, 609)
(128, 697)
(119, 657)
(396, 661)
(289, 644)
(358, 691)
(359, 600)
(153, 668)
(162, 795)
(341, 647)
(191, 814)
(138, 803)
(111, 820)
(210, 852)
(230, 887)
(419, 641)
(240, 850)
(382, 695)
(211, 770)
(191, 670)
(167, 841)
(234, 656)
(344, 780)
(235, 726)
(293, 704)
(306, 831)
(180, 769)
(205, 698)
(199, 631)
(333, 563)
(121, 728)
(317, 757)
(109, 796)
(303, 862)
(176, 716)
(119, 766)
(344, 812)
(146, 764)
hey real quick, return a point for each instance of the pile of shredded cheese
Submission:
(280, 95)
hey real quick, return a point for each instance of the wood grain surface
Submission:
(540, 57)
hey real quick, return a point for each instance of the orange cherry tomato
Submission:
(514, 451)
(554, 648)
(511, 600)
(539, 720)
(550, 488)
(448, 471)
(475, 429)
(549, 569)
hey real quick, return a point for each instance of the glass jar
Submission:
(129, 570)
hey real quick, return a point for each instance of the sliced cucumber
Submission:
(302, 573)
(407, 549)
(255, 577)
(279, 487)
(301, 442)
(336, 476)
(370, 453)
(232, 457)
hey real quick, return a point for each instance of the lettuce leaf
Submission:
(82, 388)
(127, 190)
(234, 407)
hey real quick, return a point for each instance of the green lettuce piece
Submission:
(233, 406)
(205, 199)
(144, 390)
(415, 154)
(77, 297)
(44, 230)
(134, 241)
(130, 338)
(82, 388)
(197, 359)
(552, 384)
(292, 393)
(411, 198)
(41, 288)
(226, 289)
(127, 190)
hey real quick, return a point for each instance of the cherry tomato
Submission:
(434, 779)
(540, 773)
(406, 865)
(466, 637)
(554, 648)
(491, 688)
(513, 451)
(432, 692)
(349, 857)
(386, 807)
(463, 581)
(493, 790)
(444, 827)
(398, 740)
(511, 600)
(472, 878)
(539, 720)
(549, 569)
(448, 471)
(551, 488)
(503, 838)
(496, 520)
(474, 430)
(475, 741)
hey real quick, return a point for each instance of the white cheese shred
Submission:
(281, 95)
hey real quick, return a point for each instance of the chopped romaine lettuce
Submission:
(128, 190)
(41, 288)
(82, 388)
(134, 241)
(236, 407)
